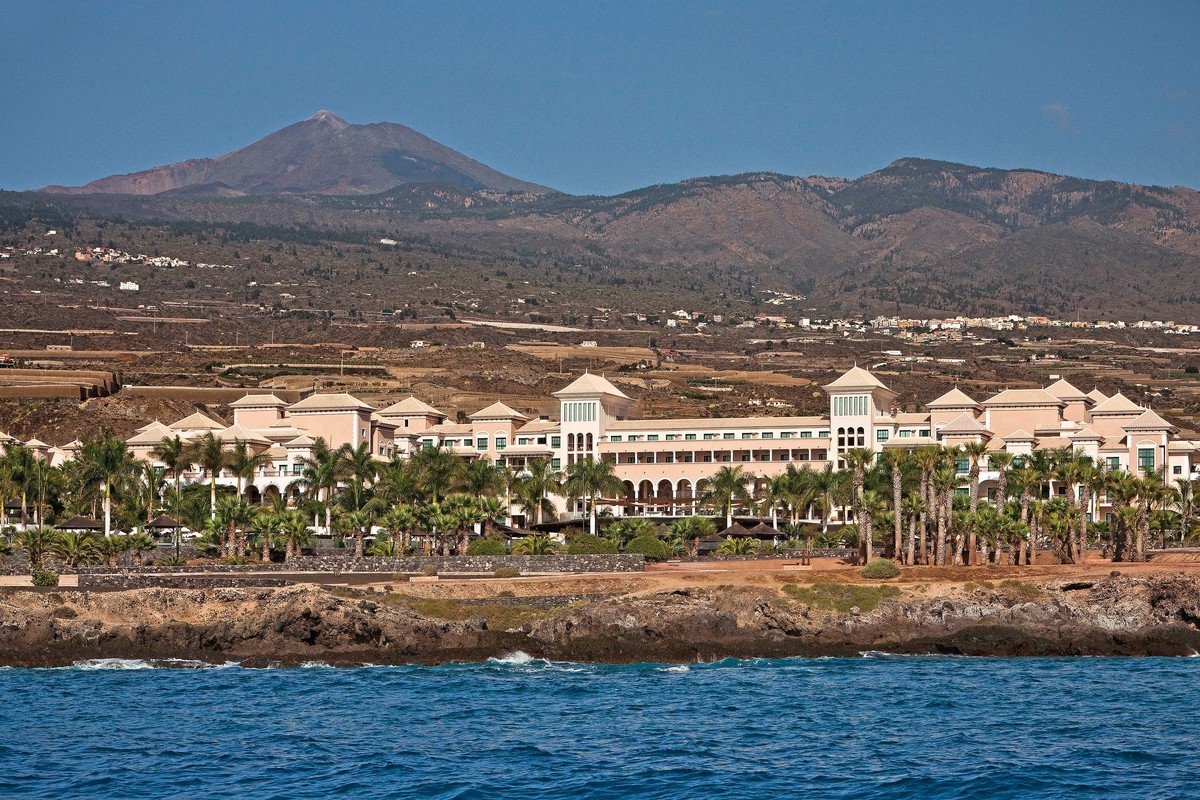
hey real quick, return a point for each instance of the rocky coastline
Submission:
(260, 626)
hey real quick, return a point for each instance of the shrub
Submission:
(45, 577)
(430, 570)
(841, 597)
(585, 544)
(172, 561)
(507, 572)
(880, 569)
(649, 546)
(485, 547)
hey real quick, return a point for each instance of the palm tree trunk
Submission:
(358, 542)
(107, 508)
(912, 536)
(898, 522)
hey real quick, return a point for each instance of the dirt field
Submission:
(939, 581)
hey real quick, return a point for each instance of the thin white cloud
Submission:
(1059, 116)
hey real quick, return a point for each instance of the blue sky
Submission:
(606, 97)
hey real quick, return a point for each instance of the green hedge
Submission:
(880, 569)
(45, 577)
(650, 546)
(585, 544)
(485, 547)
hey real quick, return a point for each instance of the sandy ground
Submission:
(771, 575)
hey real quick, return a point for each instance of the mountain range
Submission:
(916, 235)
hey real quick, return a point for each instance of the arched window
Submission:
(841, 438)
(589, 443)
(862, 438)
(570, 441)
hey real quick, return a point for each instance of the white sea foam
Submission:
(138, 663)
(518, 658)
(676, 668)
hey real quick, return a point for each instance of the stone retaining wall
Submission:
(625, 562)
(123, 582)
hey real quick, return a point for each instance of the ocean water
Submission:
(870, 727)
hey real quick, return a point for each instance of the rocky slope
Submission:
(1117, 616)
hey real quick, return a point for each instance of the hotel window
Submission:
(1146, 459)
(726, 435)
(669, 458)
(707, 458)
(1114, 462)
(709, 436)
(670, 437)
(1176, 470)
(614, 438)
(501, 442)
(747, 435)
(906, 434)
(925, 431)
(881, 436)
(481, 443)
(803, 435)
(690, 437)
(652, 437)
(789, 434)
(556, 441)
(823, 435)
(768, 435)
(962, 464)
(556, 463)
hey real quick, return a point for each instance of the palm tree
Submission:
(173, 453)
(233, 514)
(438, 471)
(725, 489)
(975, 451)
(1027, 481)
(928, 459)
(858, 459)
(481, 478)
(105, 461)
(139, 544)
(1000, 462)
(20, 462)
(738, 546)
(321, 474)
(243, 463)
(895, 462)
(872, 506)
(1185, 504)
(536, 545)
(76, 548)
(361, 468)
(293, 527)
(399, 522)
(361, 522)
(208, 453)
(37, 544)
(45, 482)
(588, 480)
(691, 529)
(537, 485)
(914, 508)
(943, 484)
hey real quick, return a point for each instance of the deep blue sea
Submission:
(871, 727)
